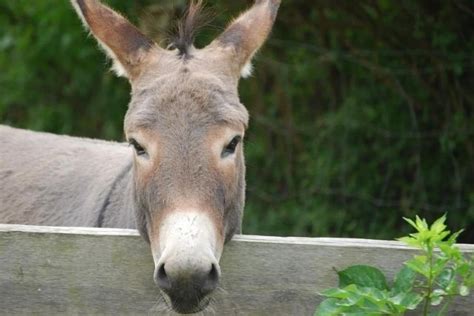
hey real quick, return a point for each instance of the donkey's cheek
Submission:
(143, 177)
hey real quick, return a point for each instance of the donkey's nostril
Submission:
(212, 280)
(186, 282)
(161, 278)
(214, 273)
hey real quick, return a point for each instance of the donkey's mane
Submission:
(193, 20)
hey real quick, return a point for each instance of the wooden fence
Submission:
(86, 271)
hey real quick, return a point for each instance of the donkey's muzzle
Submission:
(187, 287)
(187, 267)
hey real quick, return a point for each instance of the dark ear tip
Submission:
(81, 3)
(273, 4)
(85, 5)
(86, 1)
(116, 34)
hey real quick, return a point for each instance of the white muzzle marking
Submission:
(187, 242)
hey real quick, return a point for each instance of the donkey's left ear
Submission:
(241, 40)
(121, 40)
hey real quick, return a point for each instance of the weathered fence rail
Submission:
(54, 270)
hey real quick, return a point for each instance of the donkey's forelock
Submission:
(194, 19)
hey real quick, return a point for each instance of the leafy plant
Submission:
(432, 278)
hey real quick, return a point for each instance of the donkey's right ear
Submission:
(121, 40)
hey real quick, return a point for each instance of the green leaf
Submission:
(371, 303)
(438, 226)
(418, 264)
(439, 236)
(439, 265)
(404, 280)
(452, 239)
(328, 307)
(336, 293)
(465, 268)
(411, 300)
(411, 222)
(364, 313)
(437, 297)
(421, 224)
(463, 290)
(363, 276)
(445, 278)
(353, 295)
(410, 241)
(449, 250)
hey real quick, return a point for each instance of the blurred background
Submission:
(361, 111)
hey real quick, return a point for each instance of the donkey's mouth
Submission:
(190, 307)
(183, 306)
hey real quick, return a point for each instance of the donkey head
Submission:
(186, 125)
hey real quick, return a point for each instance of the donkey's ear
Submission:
(247, 33)
(122, 41)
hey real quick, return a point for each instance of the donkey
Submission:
(181, 183)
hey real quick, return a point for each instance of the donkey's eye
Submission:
(138, 148)
(230, 148)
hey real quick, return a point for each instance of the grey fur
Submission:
(47, 179)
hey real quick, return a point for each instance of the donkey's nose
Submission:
(183, 282)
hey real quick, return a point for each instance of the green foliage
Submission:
(365, 292)
(435, 277)
(369, 276)
(361, 111)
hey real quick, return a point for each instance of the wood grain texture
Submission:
(57, 270)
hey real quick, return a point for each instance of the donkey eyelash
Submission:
(138, 148)
(229, 149)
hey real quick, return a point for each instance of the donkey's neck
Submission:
(118, 210)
